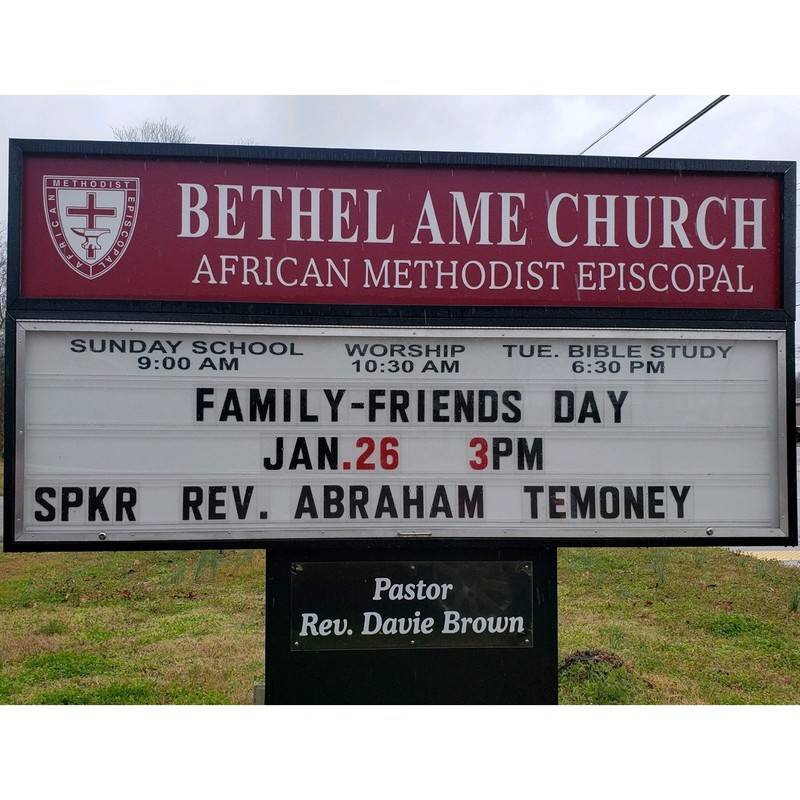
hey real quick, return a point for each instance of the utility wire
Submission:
(685, 124)
(616, 125)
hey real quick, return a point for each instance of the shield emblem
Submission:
(91, 220)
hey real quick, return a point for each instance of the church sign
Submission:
(226, 346)
(303, 232)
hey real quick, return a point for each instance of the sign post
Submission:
(410, 376)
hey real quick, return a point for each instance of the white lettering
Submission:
(193, 208)
(298, 213)
(509, 218)
(552, 219)
(702, 234)
(227, 212)
(266, 193)
(341, 214)
(756, 223)
(467, 222)
(594, 220)
(427, 221)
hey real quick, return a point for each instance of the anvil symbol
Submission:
(90, 237)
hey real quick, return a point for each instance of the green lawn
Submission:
(131, 627)
(689, 625)
(635, 626)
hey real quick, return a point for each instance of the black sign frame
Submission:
(21, 309)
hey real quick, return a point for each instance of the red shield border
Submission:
(130, 212)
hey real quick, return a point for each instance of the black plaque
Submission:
(374, 605)
(404, 673)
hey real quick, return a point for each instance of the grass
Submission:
(688, 625)
(635, 626)
(131, 627)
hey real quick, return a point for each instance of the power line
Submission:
(685, 124)
(616, 125)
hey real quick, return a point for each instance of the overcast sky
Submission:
(741, 127)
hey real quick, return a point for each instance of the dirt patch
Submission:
(592, 657)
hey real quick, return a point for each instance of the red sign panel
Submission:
(128, 228)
